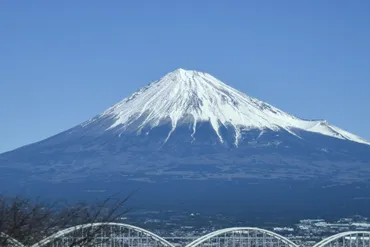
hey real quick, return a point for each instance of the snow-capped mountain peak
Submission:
(188, 96)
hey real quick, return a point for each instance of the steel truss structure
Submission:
(104, 235)
(242, 237)
(9, 241)
(346, 239)
(124, 235)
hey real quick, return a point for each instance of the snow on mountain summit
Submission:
(194, 97)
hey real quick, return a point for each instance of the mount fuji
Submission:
(191, 97)
(190, 128)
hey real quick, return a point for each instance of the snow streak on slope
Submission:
(191, 96)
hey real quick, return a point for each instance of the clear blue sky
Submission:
(62, 62)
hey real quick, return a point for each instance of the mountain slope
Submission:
(190, 126)
(191, 96)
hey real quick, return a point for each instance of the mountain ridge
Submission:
(199, 97)
(135, 144)
(161, 133)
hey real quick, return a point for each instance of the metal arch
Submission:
(227, 230)
(13, 242)
(327, 240)
(79, 227)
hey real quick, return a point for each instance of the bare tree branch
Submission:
(30, 221)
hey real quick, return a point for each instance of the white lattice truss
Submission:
(242, 236)
(9, 241)
(124, 235)
(346, 239)
(108, 234)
